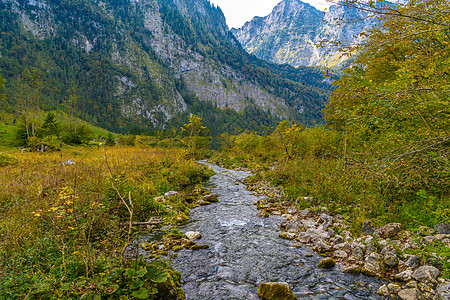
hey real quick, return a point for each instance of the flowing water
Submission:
(246, 250)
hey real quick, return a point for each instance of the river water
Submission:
(246, 250)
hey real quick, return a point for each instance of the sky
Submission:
(237, 12)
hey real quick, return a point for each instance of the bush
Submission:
(7, 160)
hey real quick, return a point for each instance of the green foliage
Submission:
(392, 103)
(7, 160)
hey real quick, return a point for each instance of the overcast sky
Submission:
(238, 12)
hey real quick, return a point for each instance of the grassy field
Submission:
(62, 218)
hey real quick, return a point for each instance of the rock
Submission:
(429, 239)
(353, 269)
(426, 274)
(171, 194)
(275, 291)
(69, 162)
(198, 247)
(383, 290)
(331, 232)
(327, 263)
(404, 276)
(308, 224)
(337, 239)
(325, 221)
(368, 227)
(286, 216)
(303, 237)
(321, 247)
(288, 235)
(371, 266)
(358, 253)
(411, 294)
(388, 230)
(210, 198)
(442, 228)
(390, 256)
(443, 292)
(317, 234)
(306, 213)
(292, 211)
(393, 287)
(413, 261)
(340, 254)
(193, 235)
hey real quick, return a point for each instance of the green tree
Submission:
(50, 127)
(393, 102)
(194, 129)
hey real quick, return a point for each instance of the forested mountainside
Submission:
(145, 65)
(292, 33)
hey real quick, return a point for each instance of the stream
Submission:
(246, 250)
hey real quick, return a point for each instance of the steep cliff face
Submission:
(292, 31)
(147, 62)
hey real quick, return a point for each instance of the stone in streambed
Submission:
(353, 269)
(426, 274)
(275, 291)
(193, 235)
(327, 263)
(288, 235)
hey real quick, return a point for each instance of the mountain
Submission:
(292, 31)
(144, 65)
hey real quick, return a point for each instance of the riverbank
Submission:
(414, 263)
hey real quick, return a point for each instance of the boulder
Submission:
(327, 263)
(411, 294)
(442, 228)
(388, 230)
(275, 291)
(426, 274)
(193, 235)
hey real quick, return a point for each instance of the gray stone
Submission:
(388, 230)
(303, 237)
(331, 232)
(411, 294)
(426, 274)
(171, 193)
(358, 254)
(391, 260)
(317, 234)
(321, 247)
(193, 235)
(404, 276)
(340, 254)
(442, 228)
(413, 261)
(443, 292)
(337, 239)
(394, 287)
(368, 227)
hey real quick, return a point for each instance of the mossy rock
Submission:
(177, 248)
(198, 247)
(275, 291)
(7, 160)
(327, 263)
(147, 246)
